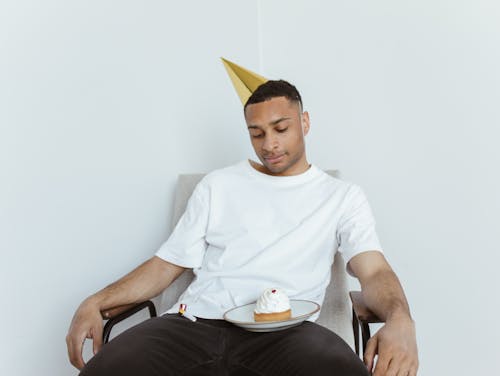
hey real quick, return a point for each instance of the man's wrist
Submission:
(94, 301)
(400, 315)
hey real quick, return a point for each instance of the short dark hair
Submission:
(272, 89)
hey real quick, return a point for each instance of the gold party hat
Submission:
(244, 81)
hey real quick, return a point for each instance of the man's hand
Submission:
(396, 347)
(144, 282)
(395, 343)
(86, 323)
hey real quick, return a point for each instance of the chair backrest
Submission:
(336, 310)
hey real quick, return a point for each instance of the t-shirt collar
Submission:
(305, 176)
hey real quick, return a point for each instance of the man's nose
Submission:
(270, 143)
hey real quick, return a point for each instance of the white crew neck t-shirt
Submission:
(244, 231)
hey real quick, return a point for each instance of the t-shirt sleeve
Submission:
(356, 231)
(186, 245)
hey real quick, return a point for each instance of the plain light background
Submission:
(104, 103)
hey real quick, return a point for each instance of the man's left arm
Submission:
(395, 343)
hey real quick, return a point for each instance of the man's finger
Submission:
(75, 348)
(394, 368)
(381, 366)
(369, 354)
(404, 371)
(97, 340)
(411, 368)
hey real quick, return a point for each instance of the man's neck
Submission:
(295, 170)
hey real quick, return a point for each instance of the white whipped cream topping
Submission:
(272, 300)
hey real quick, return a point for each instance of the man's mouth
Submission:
(274, 158)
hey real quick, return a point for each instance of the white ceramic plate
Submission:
(242, 316)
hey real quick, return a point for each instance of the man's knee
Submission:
(343, 364)
(303, 350)
(113, 361)
(125, 354)
(325, 353)
(159, 346)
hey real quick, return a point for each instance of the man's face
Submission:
(277, 128)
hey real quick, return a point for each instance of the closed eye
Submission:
(282, 130)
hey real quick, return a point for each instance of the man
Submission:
(248, 227)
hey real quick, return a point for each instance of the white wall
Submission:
(404, 99)
(97, 119)
(102, 104)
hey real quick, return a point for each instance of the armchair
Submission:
(336, 313)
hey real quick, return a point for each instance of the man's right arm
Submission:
(143, 283)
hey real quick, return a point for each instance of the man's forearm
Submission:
(395, 343)
(383, 295)
(143, 283)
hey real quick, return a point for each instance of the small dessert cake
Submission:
(272, 305)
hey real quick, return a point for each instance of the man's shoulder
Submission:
(224, 173)
(333, 178)
(229, 170)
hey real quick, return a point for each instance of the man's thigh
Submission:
(308, 349)
(167, 345)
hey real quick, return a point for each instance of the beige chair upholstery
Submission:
(336, 309)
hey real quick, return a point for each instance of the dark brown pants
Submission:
(173, 345)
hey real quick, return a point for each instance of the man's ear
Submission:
(306, 124)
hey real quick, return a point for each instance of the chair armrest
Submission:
(120, 313)
(363, 313)
(115, 311)
(361, 317)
